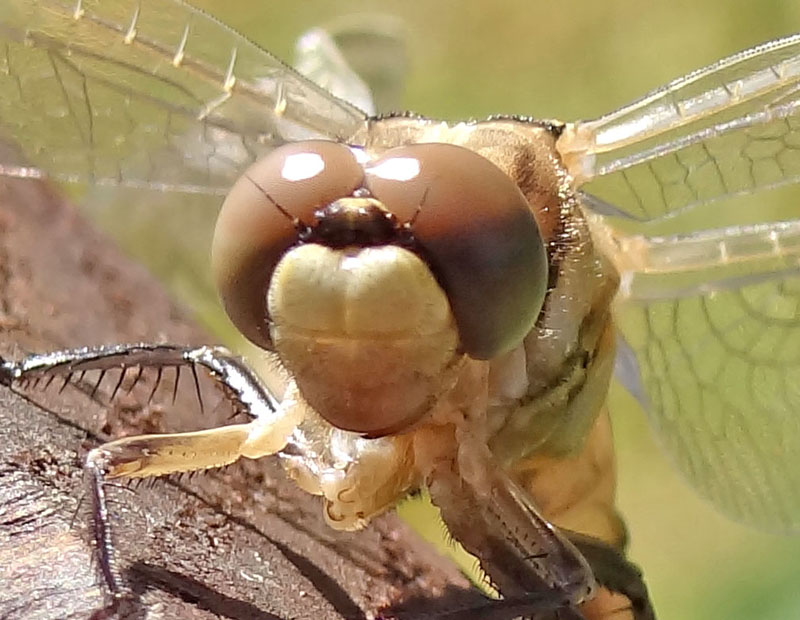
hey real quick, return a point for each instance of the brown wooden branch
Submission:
(241, 543)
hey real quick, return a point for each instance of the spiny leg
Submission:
(550, 569)
(533, 564)
(145, 456)
(236, 378)
(156, 455)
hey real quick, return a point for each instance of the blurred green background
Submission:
(573, 60)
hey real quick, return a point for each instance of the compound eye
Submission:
(266, 209)
(477, 232)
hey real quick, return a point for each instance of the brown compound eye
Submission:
(262, 216)
(477, 232)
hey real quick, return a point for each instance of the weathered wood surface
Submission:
(241, 543)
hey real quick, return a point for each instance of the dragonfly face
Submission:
(496, 407)
(330, 262)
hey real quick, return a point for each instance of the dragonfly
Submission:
(515, 311)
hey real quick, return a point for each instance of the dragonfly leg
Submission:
(239, 381)
(620, 594)
(145, 456)
(542, 571)
(539, 572)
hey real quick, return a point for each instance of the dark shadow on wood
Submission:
(196, 593)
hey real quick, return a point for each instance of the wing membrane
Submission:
(151, 93)
(719, 374)
(710, 318)
(728, 129)
(711, 324)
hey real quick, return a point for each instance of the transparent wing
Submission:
(710, 319)
(727, 129)
(362, 58)
(121, 96)
(711, 329)
(721, 377)
(149, 93)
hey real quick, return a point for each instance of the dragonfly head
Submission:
(372, 278)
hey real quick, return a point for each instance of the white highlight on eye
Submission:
(397, 169)
(301, 166)
(360, 154)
